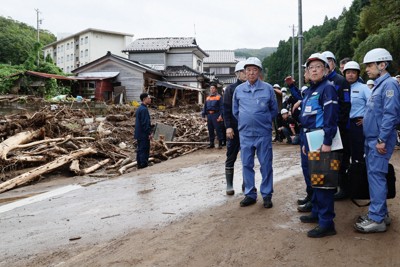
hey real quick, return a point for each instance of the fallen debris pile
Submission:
(80, 143)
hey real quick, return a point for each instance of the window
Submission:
(82, 41)
(81, 53)
(62, 59)
(86, 53)
(219, 70)
(68, 69)
(67, 57)
(86, 39)
(67, 46)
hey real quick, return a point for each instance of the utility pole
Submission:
(300, 37)
(293, 51)
(38, 22)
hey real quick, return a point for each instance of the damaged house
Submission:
(169, 68)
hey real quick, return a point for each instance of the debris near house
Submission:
(77, 142)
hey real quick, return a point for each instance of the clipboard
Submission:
(316, 138)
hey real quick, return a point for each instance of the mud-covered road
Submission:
(176, 213)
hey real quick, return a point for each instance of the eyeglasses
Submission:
(318, 67)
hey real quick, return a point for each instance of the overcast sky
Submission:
(216, 24)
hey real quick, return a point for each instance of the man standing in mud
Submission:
(255, 107)
(143, 133)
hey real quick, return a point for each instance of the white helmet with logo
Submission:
(351, 65)
(377, 55)
(329, 54)
(240, 66)
(276, 86)
(253, 61)
(284, 110)
(370, 82)
(317, 56)
(283, 89)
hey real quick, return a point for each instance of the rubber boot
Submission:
(229, 181)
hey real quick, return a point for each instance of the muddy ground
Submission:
(202, 226)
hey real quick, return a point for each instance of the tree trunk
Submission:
(29, 176)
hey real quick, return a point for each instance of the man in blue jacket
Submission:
(143, 133)
(255, 107)
(231, 125)
(319, 110)
(380, 119)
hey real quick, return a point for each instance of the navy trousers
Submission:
(143, 152)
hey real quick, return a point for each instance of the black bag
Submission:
(357, 181)
(324, 169)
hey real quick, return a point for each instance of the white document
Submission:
(316, 138)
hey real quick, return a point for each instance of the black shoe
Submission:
(303, 201)
(308, 219)
(210, 146)
(267, 202)
(247, 201)
(319, 231)
(341, 194)
(306, 207)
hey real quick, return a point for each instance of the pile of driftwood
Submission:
(82, 143)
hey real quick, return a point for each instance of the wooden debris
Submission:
(28, 176)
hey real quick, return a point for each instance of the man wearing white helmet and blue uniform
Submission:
(380, 119)
(255, 107)
(319, 110)
(231, 125)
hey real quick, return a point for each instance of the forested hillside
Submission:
(260, 53)
(366, 25)
(17, 41)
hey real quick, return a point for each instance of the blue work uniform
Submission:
(142, 135)
(380, 119)
(233, 145)
(360, 93)
(320, 110)
(255, 107)
(213, 108)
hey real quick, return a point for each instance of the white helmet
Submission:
(284, 110)
(276, 86)
(351, 65)
(283, 89)
(370, 82)
(304, 88)
(317, 56)
(329, 54)
(253, 61)
(377, 55)
(240, 66)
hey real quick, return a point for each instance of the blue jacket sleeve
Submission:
(273, 104)
(295, 92)
(331, 110)
(391, 109)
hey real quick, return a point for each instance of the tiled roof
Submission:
(220, 56)
(161, 44)
(178, 71)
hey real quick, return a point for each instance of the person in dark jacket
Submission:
(231, 125)
(213, 113)
(343, 89)
(143, 133)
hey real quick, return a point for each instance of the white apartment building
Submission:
(86, 46)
